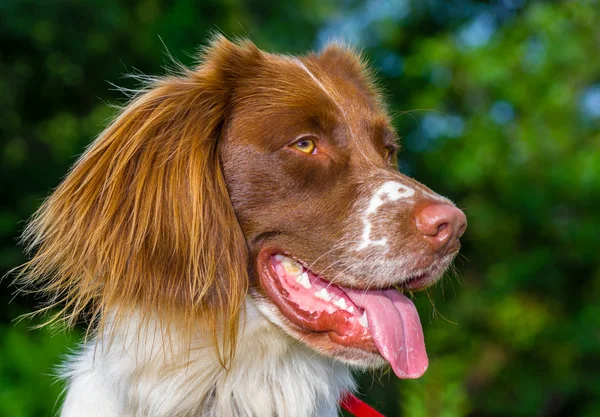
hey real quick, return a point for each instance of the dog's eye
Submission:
(305, 145)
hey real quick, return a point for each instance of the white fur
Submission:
(394, 191)
(141, 373)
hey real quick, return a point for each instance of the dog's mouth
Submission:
(382, 321)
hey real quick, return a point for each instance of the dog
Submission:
(238, 239)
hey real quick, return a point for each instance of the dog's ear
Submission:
(143, 221)
(349, 63)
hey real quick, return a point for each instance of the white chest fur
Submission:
(139, 375)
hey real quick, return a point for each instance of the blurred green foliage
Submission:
(498, 103)
(28, 386)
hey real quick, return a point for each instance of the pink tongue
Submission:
(396, 329)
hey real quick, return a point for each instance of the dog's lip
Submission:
(416, 282)
(340, 326)
(307, 322)
(419, 280)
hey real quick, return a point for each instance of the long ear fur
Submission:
(143, 221)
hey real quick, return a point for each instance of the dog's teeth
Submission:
(291, 266)
(303, 280)
(323, 295)
(279, 257)
(340, 303)
(363, 320)
(350, 309)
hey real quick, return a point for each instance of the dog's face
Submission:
(309, 159)
(257, 172)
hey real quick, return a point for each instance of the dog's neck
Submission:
(271, 375)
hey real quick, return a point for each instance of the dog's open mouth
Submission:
(377, 321)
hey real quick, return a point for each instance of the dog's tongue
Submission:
(396, 329)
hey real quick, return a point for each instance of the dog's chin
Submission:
(364, 328)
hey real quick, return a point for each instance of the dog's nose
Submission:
(441, 225)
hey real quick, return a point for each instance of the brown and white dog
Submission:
(237, 237)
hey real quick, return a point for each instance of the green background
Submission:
(498, 104)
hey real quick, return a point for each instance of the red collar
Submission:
(357, 407)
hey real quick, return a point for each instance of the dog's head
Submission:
(258, 173)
